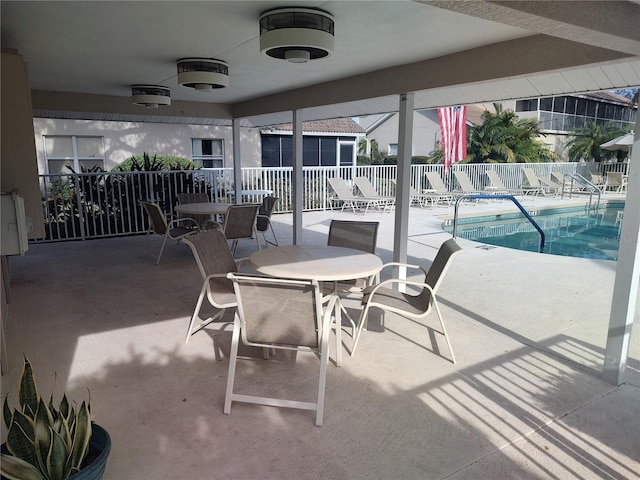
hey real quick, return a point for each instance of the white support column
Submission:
(237, 162)
(625, 288)
(297, 177)
(405, 141)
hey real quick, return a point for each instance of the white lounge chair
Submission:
(341, 192)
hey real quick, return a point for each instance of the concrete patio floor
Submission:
(524, 401)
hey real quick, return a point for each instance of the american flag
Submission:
(453, 129)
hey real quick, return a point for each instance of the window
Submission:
(65, 154)
(208, 152)
(530, 105)
(393, 149)
(546, 104)
(277, 151)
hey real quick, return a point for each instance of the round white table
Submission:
(323, 263)
(319, 262)
(203, 208)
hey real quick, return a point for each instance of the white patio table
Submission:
(320, 262)
(203, 208)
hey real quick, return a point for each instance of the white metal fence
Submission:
(93, 205)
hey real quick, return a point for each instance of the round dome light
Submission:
(150, 96)
(203, 74)
(296, 34)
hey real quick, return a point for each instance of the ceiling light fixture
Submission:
(203, 74)
(150, 96)
(296, 34)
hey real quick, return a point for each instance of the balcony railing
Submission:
(94, 205)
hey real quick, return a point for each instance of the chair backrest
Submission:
(436, 182)
(532, 178)
(366, 187)
(240, 221)
(614, 179)
(157, 220)
(265, 211)
(212, 253)
(559, 177)
(340, 188)
(200, 197)
(280, 312)
(495, 180)
(192, 197)
(354, 234)
(464, 181)
(597, 179)
(441, 263)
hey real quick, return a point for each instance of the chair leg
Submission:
(161, 249)
(196, 312)
(235, 339)
(444, 330)
(361, 321)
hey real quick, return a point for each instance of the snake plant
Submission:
(44, 441)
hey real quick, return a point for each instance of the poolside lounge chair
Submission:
(416, 307)
(466, 185)
(279, 314)
(536, 185)
(369, 191)
(597, 179)
(438, 190)
(498, 187)
(615, 182)
(416, 197)
(341, 192)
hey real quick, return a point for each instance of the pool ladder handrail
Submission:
(590, 187)
(508, 197)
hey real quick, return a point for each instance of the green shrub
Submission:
(144, 163)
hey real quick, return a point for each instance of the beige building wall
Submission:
(123, 140)
(18, 162)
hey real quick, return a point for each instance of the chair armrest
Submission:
(384, 283)
(400, 264)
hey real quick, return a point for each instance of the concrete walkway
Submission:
(524, 401)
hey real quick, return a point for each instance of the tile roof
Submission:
(336, 125)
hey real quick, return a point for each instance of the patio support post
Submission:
(297, 177)
(237, 162)
(627, 282)
(403, 181)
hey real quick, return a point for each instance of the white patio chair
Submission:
(175, 229)
(240, 222)
(279, 314)
(414, 306)
(215, 260)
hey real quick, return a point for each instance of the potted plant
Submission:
(49, 442)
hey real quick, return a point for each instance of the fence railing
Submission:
(94, 205)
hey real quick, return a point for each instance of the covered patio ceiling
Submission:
(83, 57)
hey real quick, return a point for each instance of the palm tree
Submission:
(585, 142)
(504, 138)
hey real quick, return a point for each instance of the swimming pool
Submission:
(568, 231)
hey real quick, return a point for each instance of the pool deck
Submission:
(525, 399)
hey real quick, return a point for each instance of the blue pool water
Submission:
(568, 231)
